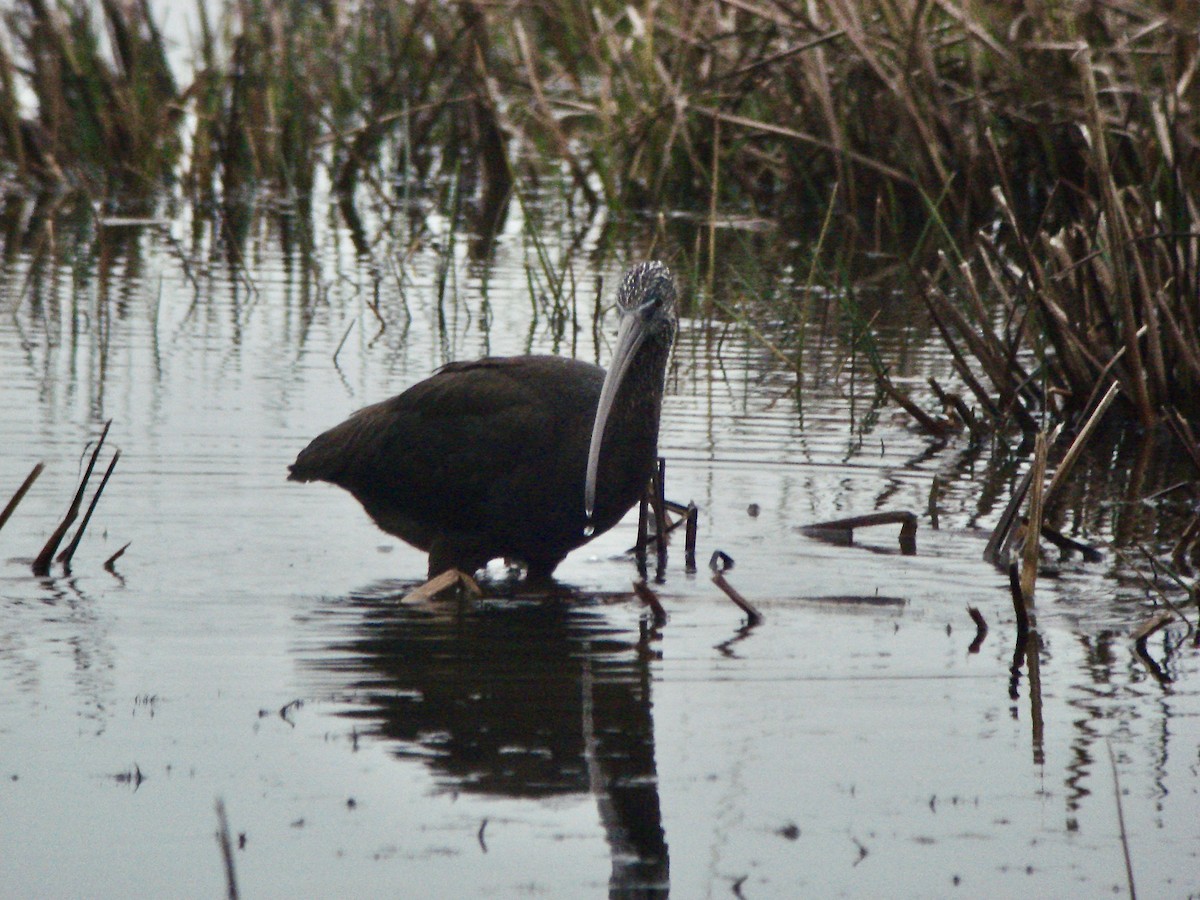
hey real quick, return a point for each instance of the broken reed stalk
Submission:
(753, 616)
(12, 504)
(692, 518)
(981, 629)
(1026, 649)
(111, 561)
(841, 531)
(1019, 606)
(720, 563)
(937, 428)
(956, 403)
(1183, 433)
(225, 842)
(1033, 529)
(996, 551)
(1155, 587)
(41, 565)
(658, 484)
(1155, 623)
(1081, 439)
(67, 555)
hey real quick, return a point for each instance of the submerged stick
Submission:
(41, 565)
(11, 506)
(67, 555)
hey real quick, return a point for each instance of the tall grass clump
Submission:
(1105, 285)
(106, 100)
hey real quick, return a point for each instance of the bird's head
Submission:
(646, 301)
(647, 296)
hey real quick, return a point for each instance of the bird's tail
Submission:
(319, 461)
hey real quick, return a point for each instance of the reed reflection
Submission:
(518, 698)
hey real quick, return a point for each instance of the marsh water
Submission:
(252, 646)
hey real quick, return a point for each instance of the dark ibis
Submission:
(521, 457)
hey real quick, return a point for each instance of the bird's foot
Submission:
(438, 584)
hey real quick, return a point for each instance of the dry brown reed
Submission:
(1050, 153)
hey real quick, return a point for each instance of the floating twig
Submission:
(1154, 586)
(11, 506)
(41, 565)
(720, 563)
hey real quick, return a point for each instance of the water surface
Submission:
(251, 644)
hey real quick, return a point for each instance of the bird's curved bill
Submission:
(630, 336)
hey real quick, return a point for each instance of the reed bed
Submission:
(1031, 168)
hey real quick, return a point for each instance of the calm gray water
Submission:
(250, 645)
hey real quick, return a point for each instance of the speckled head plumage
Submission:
(648, 289)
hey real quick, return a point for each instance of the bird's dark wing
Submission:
(450, 448)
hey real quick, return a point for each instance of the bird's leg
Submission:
(639, 548)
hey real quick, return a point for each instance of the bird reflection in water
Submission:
(518, 698)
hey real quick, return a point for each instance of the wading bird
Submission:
(522, 457)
